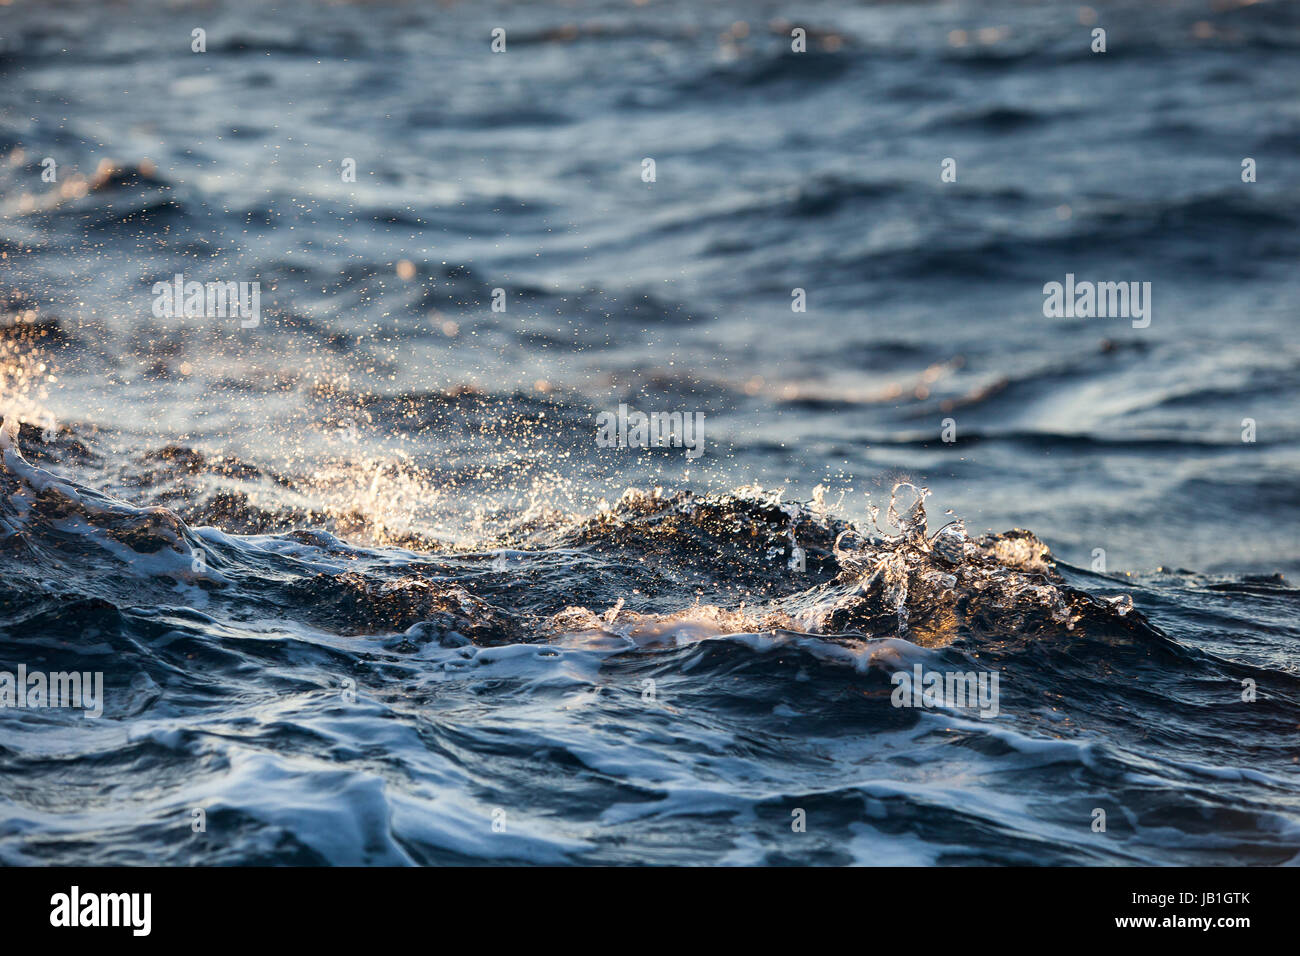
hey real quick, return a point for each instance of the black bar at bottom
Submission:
(335, 906)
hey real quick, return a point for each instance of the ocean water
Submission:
(362, 583)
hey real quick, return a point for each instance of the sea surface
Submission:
(365, 588)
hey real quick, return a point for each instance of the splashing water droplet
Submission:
(949, 543)
(1123, 603)
(849, 548)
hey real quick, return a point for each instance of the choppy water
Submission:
(364, 588)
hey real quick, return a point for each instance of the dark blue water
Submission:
(365, 588)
